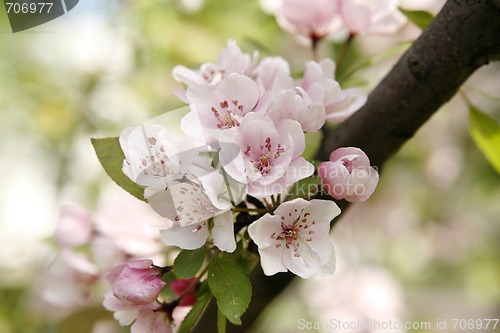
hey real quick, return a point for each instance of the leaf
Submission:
(485, 132)
(203, 297)
(231, 287)
(304, 188)
(419, 17)
(111, 156)
(221, 322)
(188, 263)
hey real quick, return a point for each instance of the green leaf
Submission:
(419, 17)
(188, 263)
(111, 156)
(231, 287)
(304, 188)
(202, 299)
(221, 322)
(485, 132)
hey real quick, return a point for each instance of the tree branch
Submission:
(464, 36)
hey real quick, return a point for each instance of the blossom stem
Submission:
(343, 50)
(250, 210)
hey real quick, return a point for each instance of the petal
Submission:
(271, 260)
(223, 232)
(291, 207)
(190, 237)
(356, 155)
(261, 230)
(305, 263)
(237, 87)
(350, 101)
(298, 169)
(368, 187)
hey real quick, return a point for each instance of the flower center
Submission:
(292, 235)
(263, 157)
(231, 116)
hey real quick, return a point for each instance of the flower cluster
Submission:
(238, 149)
(317, 19)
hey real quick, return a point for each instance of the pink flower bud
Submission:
(348, 175)
(180, 286)
(136, 282)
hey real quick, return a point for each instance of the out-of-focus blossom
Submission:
(348, 175)
(314, 19)
(320, 85)
(74, 228)
(151, 321)
(137, 282)
(231, 60)
(126, 313)
(179, 287)
(70, 280)
(317, 19)
(269, 155)
(296, 238)
(371, 16)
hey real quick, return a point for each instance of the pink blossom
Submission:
(269, 158)
(314, 19)
(348, 175)
(190, 204)
(75, 227)
(154, 157)
(320, 85)
(219, 107)
(146, 318)
(150, 321)
(136, 282)
(296, 238)
(294, 103)
(70, 280)
(371, 16)
(231, 60)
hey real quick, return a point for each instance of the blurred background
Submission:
(425, 247)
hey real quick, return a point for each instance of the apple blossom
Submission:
(190, 205)
(75, 227)
(231, 60)
(70, 280)
(154, 157)
(151, 321)
(320, 85)
(296, 238)
(313, 19)
(124, 313)
(371, 16)
(291, 102)
(269, 158)
(137, 282)
(219, 107)
(348, 175)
